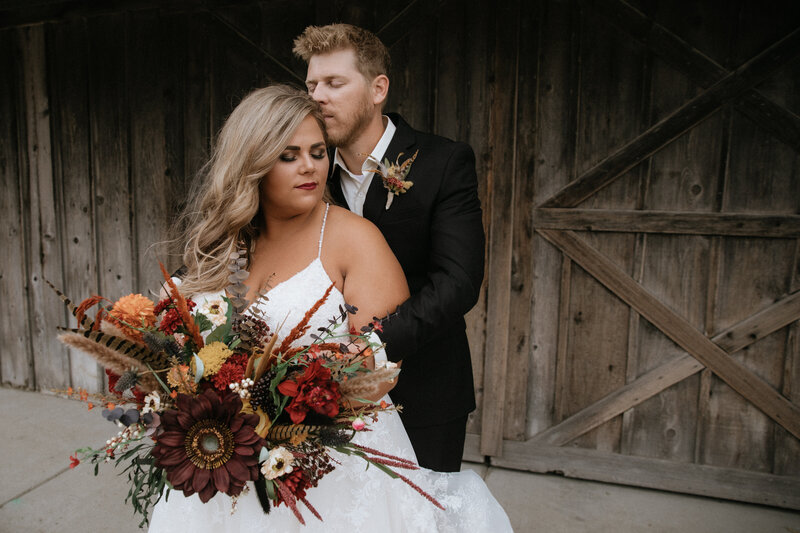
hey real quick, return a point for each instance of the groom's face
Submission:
(344, 95)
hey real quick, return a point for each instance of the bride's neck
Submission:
(276, 227)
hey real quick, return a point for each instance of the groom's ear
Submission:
(380, 89)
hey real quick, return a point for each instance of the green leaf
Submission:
(203, 322)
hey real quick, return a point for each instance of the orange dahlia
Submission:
(133, 310)
(208, 445)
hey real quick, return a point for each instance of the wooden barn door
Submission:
(660, 284)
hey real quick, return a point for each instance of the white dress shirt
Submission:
(355, 186)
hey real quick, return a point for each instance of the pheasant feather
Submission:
(126, 348)
(110, 358)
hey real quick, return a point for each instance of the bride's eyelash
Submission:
(289, 158)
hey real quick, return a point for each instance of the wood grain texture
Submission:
(16, 358)
(735, 374)
(656, 380)
(682, 119)
(109, 127)
(42, 197)
(501, 178)
(68, 69)
(520, 350)
(687, 59)
(741, 224)
(703, 480)
(149, 166)
(556, 127)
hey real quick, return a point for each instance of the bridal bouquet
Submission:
(207, 400)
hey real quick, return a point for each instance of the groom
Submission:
(433, 227)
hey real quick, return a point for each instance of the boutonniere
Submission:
(394, 176)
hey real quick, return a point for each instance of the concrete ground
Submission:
(39, 493)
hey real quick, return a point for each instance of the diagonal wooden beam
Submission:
(704, 71)
(680, 121)
(674, 222)
(279, 70)
(733, 339)
(736, 375)
(408, 20)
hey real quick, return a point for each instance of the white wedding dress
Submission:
(354, 497)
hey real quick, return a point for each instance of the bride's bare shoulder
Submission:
(344, 226)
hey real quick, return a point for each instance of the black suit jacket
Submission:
(436, 232)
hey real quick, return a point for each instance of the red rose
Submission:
(313, 390)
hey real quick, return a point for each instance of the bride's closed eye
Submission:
(289, 157)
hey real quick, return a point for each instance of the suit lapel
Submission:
(334, 182)
(402, 142)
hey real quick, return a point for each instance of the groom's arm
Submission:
(455, 263)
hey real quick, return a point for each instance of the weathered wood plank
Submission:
(703, 70)
(612, 82)
(561, 392)
(703, 480)
(175, 68)
(269, 66)
(520, 345)
(401, 24)
(556, 127)
(51, 359)
(654, 381)
(502, 207)
(736, 434)
(109, 120)
(787, 448)
(633, 349)
(149, 177)
(735, 374)
(16, 358)
(472, 451)
(479, 45)
(413, 69)
(68, 73)
(15, 13)
(741, 224)
(279, 27)
(197, 122)
(681, 120)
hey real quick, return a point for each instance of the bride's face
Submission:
(297, 181)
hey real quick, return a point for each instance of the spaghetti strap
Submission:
(322, 231)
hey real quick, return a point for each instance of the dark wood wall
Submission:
(639, 174)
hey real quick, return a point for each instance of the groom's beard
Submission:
(350, 127)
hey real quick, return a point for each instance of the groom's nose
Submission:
(319, 94)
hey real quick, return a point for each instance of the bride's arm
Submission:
(373, 280)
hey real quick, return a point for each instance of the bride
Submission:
(265, 189)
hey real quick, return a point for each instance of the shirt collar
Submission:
(372, 160)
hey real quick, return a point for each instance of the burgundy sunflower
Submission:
(208, 446)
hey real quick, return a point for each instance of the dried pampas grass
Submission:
(111, 359)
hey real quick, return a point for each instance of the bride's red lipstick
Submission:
(310, 186)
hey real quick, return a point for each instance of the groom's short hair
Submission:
(372, 57)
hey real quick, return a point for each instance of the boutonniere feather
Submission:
(394, 176)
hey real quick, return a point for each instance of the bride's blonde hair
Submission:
(224, 213)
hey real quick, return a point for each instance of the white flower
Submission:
(152, 402)
(215, 309)
(278, 463)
